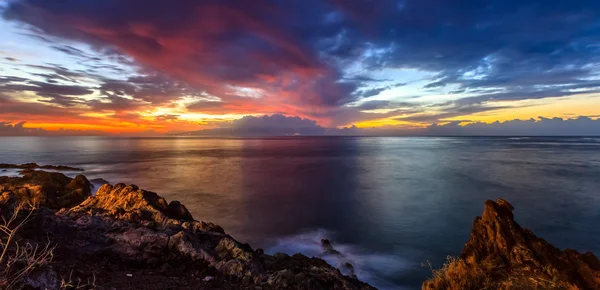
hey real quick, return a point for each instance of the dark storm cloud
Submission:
(490, 50)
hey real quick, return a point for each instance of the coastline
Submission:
(126, 238)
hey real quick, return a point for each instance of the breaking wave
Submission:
(377, 269)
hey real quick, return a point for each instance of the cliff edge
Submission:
(500, 254)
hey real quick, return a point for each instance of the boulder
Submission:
(133, 204)
(46, 189)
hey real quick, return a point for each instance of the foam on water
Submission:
(377, 269)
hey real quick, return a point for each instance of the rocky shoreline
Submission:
(124, 237)
(56, 235)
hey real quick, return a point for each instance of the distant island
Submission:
(57, 235)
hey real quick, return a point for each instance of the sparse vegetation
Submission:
(19, 259)
(70, 284)
(456, 274)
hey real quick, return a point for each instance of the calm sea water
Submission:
(388, 204)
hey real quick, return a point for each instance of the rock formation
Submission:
(124, 237)
(500, 254)
(46, 189)
(36, 166)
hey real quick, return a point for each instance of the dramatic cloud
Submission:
(279, 125)
(337, 62)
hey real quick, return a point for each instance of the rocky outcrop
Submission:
(500, 254)
(46, 189)
(133, 204)
(36, 166)
(128, 238)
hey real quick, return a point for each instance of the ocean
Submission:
(389, 204)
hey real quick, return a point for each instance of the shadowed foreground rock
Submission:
(502, 255)
(128, 238)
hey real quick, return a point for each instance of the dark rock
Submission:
(48, 189)
(230, 249)
(502, 255)
(176, 210)
(281, 256)
(98, 181)
(350, 268)
(328, 248)
(36, 166)
(43, 278)
(124, 236)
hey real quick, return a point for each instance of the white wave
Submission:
(376, 269)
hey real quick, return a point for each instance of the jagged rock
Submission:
(125, 230)
(502, 255)
(140, 244)
(131, 203)
(328, 247)
(281, 279)
(176, 210)
(232, 267)
(47, 189)
(230, 249)
(182, 243)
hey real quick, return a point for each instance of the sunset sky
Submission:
(151, 66)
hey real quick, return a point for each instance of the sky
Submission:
(311, 67)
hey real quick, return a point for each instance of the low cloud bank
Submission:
(581, 126)
(273, 125)
(280, 125)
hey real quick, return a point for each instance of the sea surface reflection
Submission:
(389, 204)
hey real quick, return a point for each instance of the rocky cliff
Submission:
(500, 254)
(128, 238)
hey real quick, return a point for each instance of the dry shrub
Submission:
(18, 259)
(71, 284)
